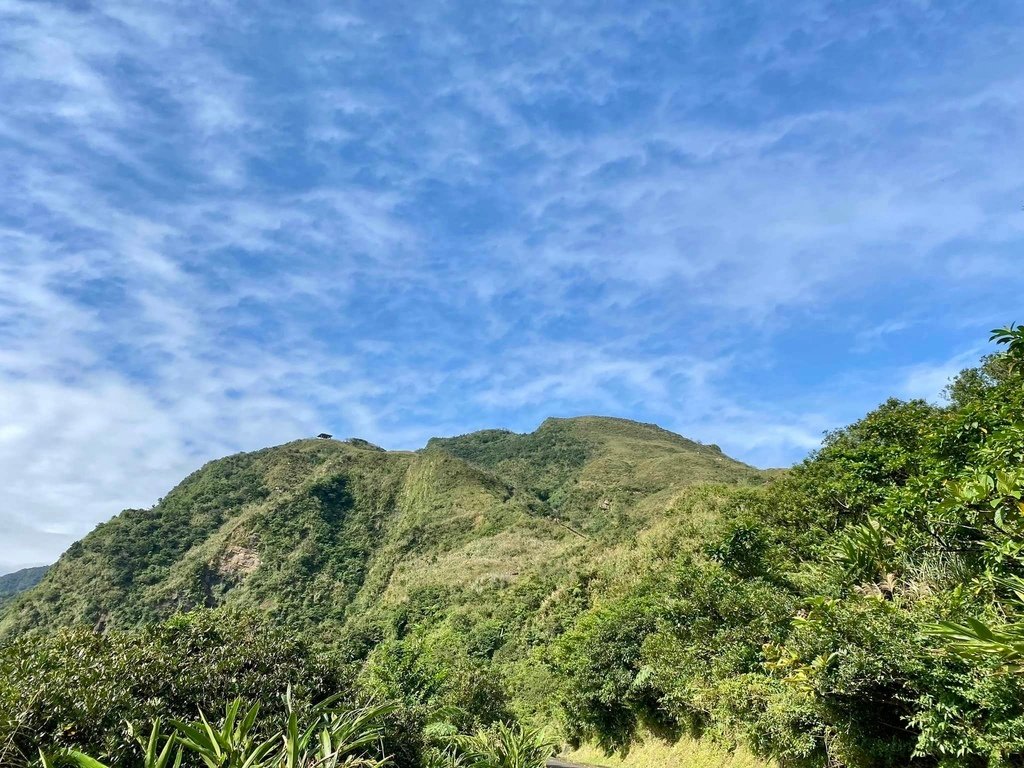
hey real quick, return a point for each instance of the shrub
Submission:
(80, 689)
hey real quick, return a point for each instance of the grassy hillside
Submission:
(595, 472)
(337, 534)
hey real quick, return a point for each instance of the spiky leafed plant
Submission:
(974, 638)
(325, 736)
(234, 743)
(333, 737)
(504, 746)
(158, 751)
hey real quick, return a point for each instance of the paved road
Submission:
(556, 763)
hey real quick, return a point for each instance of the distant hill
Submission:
(13, 583)
(333, 534)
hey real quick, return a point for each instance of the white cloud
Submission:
(927, 381)
(223, 227)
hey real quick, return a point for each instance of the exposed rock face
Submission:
(237, 562)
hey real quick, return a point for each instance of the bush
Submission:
(78, 689)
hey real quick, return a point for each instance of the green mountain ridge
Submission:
(323, 532)
(18, 581)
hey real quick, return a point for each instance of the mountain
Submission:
(332, 534)
(610, 580)
(13, 583)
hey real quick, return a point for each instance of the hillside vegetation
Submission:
(318, 532)
(18, 581)
(608, 581)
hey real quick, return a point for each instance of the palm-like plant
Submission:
(1013, 337)
(333, 736)
(504, 746)
(326, 736)
(232, 744)
(974, 638)
(158, 751)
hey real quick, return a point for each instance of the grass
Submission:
(685, 753)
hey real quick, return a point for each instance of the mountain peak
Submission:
(614, 426)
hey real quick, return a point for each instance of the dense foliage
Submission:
(604, 578)
(860, 611)
(79, 688)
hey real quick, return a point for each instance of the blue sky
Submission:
(227, 225)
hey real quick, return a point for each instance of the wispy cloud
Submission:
(224, 226)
